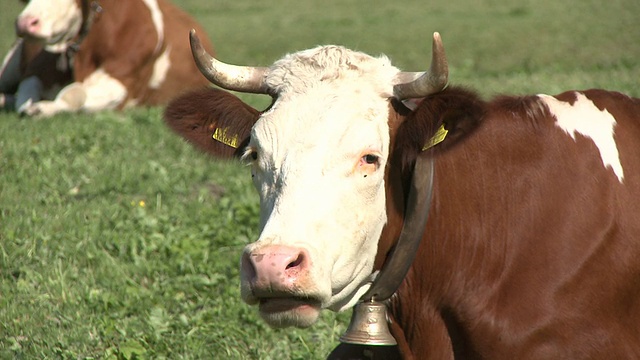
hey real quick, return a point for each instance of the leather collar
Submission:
(90, 9)
(402, 255)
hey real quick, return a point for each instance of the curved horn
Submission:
(231, 77)
(418, 85)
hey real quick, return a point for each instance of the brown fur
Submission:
(529, 247)
(460, 110)
(196, 115)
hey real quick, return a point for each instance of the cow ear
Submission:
(214, 121)
(444, 119)
(437, 123)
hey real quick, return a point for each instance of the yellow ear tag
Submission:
(437, 138)
(221, 135)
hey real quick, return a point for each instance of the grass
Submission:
(119, 241)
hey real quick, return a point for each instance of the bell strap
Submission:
(416, 214)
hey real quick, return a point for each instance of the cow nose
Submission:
(27, 25)
(275, 266)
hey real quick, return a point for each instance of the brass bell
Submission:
(369, 325)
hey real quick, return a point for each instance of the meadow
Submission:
(119, 241)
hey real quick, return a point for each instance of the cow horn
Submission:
(418, 85)
(231, 77)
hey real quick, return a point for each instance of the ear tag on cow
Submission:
(221, 135)
(439, 137)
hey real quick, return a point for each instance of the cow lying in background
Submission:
(124, 53)
(30, 73)
(532, 247)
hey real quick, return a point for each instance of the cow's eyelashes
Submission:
(250, 155)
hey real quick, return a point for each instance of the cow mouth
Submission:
(43, 39)
(289, 311)
(271, 305)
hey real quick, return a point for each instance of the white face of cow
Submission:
(317, 159)
(53, 21)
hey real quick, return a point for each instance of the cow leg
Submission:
(70, 98)
(73, 95)
(103, 92)
(97, 92)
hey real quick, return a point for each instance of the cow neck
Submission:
(403, 253)
(90, 9)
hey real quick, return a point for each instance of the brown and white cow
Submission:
(126, 53)
(532, 248)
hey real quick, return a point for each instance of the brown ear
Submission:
(213, 120)
(456, 110)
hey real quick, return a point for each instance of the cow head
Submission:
(55, 22)
(317, 157)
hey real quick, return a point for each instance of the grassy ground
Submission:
(118, 241)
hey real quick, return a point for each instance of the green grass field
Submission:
(119, 241)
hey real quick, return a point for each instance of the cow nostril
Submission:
(27, 25)
(297, 262)
(275, 266)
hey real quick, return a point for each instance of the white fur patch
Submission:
(585, 118)
(158, 20)
(160, 69)
(103, 91)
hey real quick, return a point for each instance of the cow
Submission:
(124, 53)
(532, 245)
(30, 73)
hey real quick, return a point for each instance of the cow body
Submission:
(532, 245)
(124, 53)
(531, 249)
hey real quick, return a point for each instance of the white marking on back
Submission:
(160, 69)
(585, 118)
(158, 21)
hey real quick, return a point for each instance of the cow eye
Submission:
(250, 155)
(370, 159)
